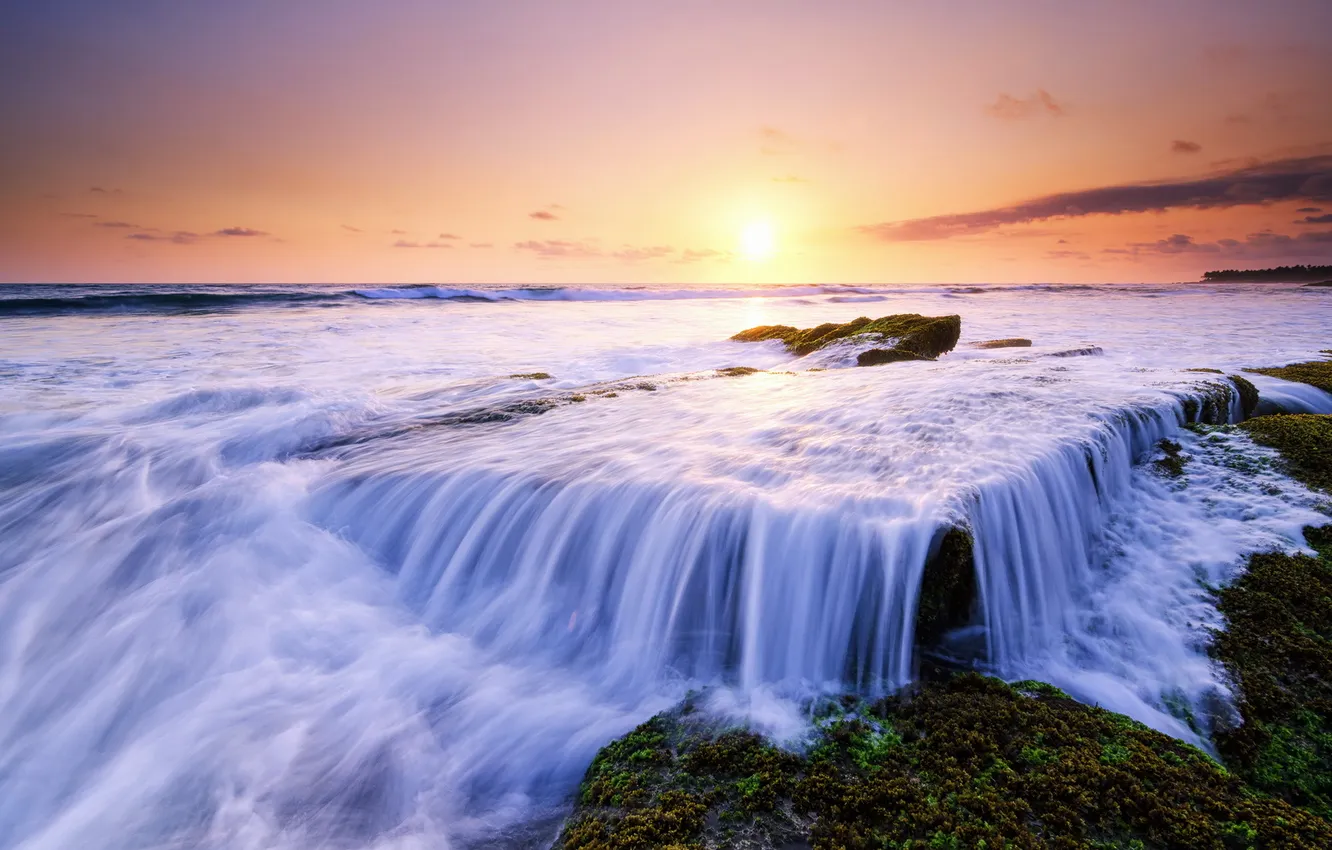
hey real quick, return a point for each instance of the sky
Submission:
(739, 141)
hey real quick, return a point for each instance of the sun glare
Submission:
(757, 241)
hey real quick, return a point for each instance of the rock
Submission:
(878, 356)
(1316, 373)
(1012, 342)
(968, 762)
(925, 337)
(1085, 351)
(947, 587)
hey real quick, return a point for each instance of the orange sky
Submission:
(543, 141)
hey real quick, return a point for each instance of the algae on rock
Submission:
(1316, 373)
(971, 762)
(913, 337)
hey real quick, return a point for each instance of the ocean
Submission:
(384, 566)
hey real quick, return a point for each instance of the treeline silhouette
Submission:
(1280, 273)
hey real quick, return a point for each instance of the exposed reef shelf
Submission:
(905, 336)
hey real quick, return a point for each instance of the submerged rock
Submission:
(913, 337)
(947, 587)
(1172, 464)
(1304, 441)
(1317, 373)
(737, 371)
(533, 376)
(1085, 351)
(970, 762)
(1011, 342)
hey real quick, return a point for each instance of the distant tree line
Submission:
(1280, 273)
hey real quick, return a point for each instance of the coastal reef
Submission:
(1011, 342)
(906, 336)
(1317, 373)
(971, 762)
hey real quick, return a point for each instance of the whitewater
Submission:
(384, 566)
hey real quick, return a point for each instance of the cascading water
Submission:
(321, 608)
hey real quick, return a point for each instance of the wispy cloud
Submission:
(98, 190)
(1182, 146)
(396, 232)
(1309, 210)
(448, 236)
(1326, 218)
(549, 248)
(351, 229)
(1263, 244)
(1010, 108)
(78, 215)
(1303, 179)
(121, 225)
(239, 231)
(543, 215)
(632, 254)
(403, 243)
(698, 255)
(180, 237)
(480, 244)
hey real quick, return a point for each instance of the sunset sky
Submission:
(617, 140)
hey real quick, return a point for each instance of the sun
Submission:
(757, 241)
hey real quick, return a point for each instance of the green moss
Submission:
(970, 762)
(1277, 646)
(922, 337)
(1173, 462)
(1011, 342)
(948, 587)
(533, 376)
(1208, 371)
(737, 371)
(1305, 443)
(1316, 373)
(1211, 404)
(1248, 394)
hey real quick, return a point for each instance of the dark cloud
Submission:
(403, 243)
(98, 190)
(1181, 146)
(543, 215)
(1309, 210)
(559, 248)
(239, 231)
(1316, 219)
(1062, 242)
(121, 225)
(1010, 108)
(350, 228)
(790, 178)
(1180, 243)
(1304, 179)
(448, 236)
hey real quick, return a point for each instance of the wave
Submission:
(562, 293)
(168, 302)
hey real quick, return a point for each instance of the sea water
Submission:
(310, 567)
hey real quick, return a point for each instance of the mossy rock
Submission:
(533, 376)
(947, 588)
(737, 371)
(1304, 441)
(966, 763)
(1248, 394)
(1277, 647)
(923, 337)
(1211, 405)
(1011, 342)
(1317, 373)
(1172, 464)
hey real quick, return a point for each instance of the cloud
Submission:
(1010, 108)
(654, 252)
(350, 228)
(776, 142)
(1302, 179)
(398, 232)
(543, 215)
(1181, 146)
(480, 244)
(121, 225)
(695, 255)
(180, 237)
(448, 236)
(559, 248)
(1309, 210)
(1062, 242)
(78, 215)
(403, 243)
(1179, 243)
(790, 178)
(1068, 255)
(1263, 244)
(1316, 219)
(239, 231)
